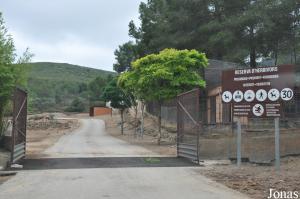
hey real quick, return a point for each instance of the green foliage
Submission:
(67, 72)
(7, 72)
(114, 94)
(95, 88)
(11, 75)
(98, 104)
(118, 98)
(77, 105)
(233, 30)
(54, 86)
(125, 54)
(163, 76)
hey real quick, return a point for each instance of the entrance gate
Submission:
(18, 143)
(188, 125)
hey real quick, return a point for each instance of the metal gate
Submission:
(18, 147)
(188, 124)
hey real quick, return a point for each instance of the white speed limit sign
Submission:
(286, 94)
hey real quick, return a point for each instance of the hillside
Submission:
(66, 72)
(54, 86)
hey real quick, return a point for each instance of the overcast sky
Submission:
(83, 32)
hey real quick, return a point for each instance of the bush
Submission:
(77, 105)
(97, 104)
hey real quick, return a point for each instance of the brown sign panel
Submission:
(257, 110)
(258, 92)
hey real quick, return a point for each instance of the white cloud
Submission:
(84, 32)
(70, 49)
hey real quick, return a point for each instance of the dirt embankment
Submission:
(251, 179)
(148, 140)
(257, 180)
(44, 130)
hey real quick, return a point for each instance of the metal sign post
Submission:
(238, 144)
(277, 144)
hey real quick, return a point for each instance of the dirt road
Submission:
(91, 140)
(77, 166)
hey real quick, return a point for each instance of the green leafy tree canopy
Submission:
(163, 76)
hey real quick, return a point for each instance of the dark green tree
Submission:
(233, 30)
(11, 73)
(95, 88)
(118, 99)
(125, 54)
(77, 105)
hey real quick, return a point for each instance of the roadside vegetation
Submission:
(59, 87)
(247, 32)
(161, 77)
(12, 73)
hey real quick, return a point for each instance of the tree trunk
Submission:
(159, 123)
(136, 123)
(276, 57)
(135, 114)
(142, 120)
(253, 58)
(122, 122)
(252, 49)
(1, 121)
(295, 53)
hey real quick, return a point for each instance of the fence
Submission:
(217, 139)
(18, 142)
(188, 124)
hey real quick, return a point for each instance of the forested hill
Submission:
(64, 87)
(64, 71)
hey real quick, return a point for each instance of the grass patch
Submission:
(152, 160)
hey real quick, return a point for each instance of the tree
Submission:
(118, 99)
(125, 54)
(95, 88)
(163, 76)
(233, 30)
(77, 105)
(127, 81)
(10, 74)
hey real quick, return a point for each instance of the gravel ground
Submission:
(251, 179)
(43, 132)
(148, 141)
(256, 180)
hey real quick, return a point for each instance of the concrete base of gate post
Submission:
(7, 173)
(4, 159)
(16, 166)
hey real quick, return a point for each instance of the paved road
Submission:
(61, 178)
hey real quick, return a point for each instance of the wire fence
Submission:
(218, 131)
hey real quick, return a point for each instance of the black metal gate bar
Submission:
(188, 124)
(18, 143)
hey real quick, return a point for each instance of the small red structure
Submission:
(96, 111)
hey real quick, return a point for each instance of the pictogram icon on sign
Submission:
(227, 96)
(249, 95)
(238, 96)
(258, 110)
(273, 94)
(261, 95)
(286, 94)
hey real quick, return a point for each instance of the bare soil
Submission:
(252, 179)
(256, 180)
(44, 130)
(148, 140)
(4, 178)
